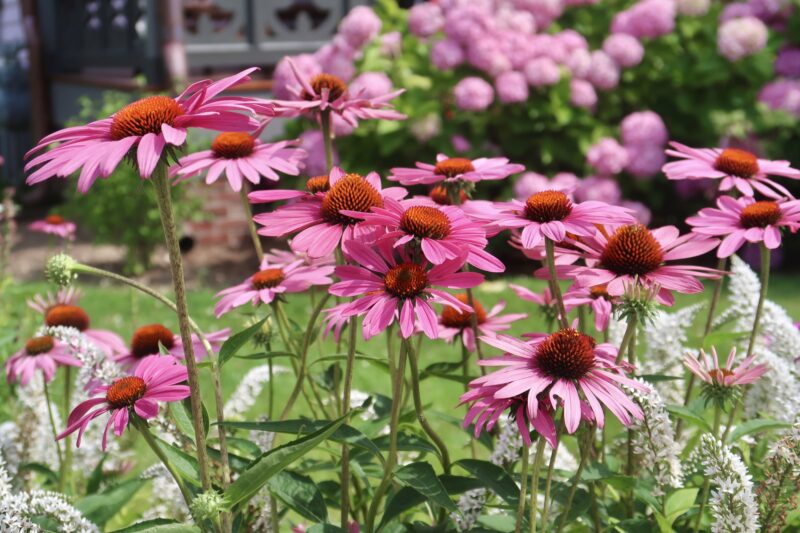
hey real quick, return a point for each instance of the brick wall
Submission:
(225, 225)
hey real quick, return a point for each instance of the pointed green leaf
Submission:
(492, 477)
(690, 416)
(185, 464)
(679, 502)
(100, 508)
(755, 426)
(235, 343)
(422, 478)
(301, 494)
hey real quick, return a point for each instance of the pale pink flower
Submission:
(741, 220)
(456, 169)
(597, 298)
(270, 282)
(634, 254)
(73, 316)
(570, 369)
(42, 304)
(551, 214)
(736, 168)
(398, 290)
(453, 322)
(709, 370)
(443, 232)
(156, 379)
(143, 128)
(55, 225)
(323, 214)
(43, 353)
(154, 339)
(241, 156)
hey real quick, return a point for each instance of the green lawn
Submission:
(122, 310)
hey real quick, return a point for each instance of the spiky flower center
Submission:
(599, 291)
(405, 280)
(39, 345)
(455, 166)
(318, 184)
(125, 391)
(441, 195)
(760, 214)
(547, 206)
(233, 144)
(267, 278)
(566, 354)
(455, 318)
(632, 250)
(70, 316)
(146, 340)
(54, 220)
(423, 221)
(351, 193)
(736, 162)
(145, 116)
(719, 374)
(335, 85)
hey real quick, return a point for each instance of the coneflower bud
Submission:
(60, 270)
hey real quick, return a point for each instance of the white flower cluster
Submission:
(655, 442)
(17, 507)
(744, 287)
(248, 391)
(783, 337)
(777, 393)
(96, 366)
(33, 424)
(166, 499)
(10, 447)
(777, 492)
(732, 501)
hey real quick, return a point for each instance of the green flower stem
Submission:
(554, 287)
(397, 374)
(587, 442)
(347, 387)
(327, 138)
(67, 464)
(474, 323)
(762, 297)
(144, 430)
(630, 330)
(445, 455)
(729, 423)
(251, 225)
(537, 466)
(546, 504)
(712, 307)
(523, 487)
(164, 199)
(54, 429)
(465, 373)
(631, 466)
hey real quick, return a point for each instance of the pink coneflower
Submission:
(144, 127)
(737, 168)
(42, 304)
(634, 254)
(551, 214)
(742, 220)
(547, 304)
(452, 169)
(398, 290)
(242, 156)
(278, 257)
(55, 225)
(155, 338)
(323, 213)
(156, 379)
(269, 282)
(454, 321)
(709, 370)
(597, 297)
(442, 232)
(569, 368)
(322, 92)
(72, 316)
(44, 353)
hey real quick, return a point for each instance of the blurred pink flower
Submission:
(425, 19)
(582, 94)
(625, 50)
(360, 26)
(150, 339)
(511, 87)
(55, 225)
(473, 94)
(455, 169)
(447, 54)
(542, 72)
(43, 353)
(643, 128)
(741, 37)
(607, 157)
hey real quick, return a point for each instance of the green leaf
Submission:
(664, 525)
(755, 426)
(40, 469)
(235, 343)
(404, 499)
(265, 355)
(185, 464)
(301, 494)
(345, 434)
(690, 416)
(273, 462)
(407, 442)
(100, 508)
(601, 472)
(325, 528)
(492, 477)
(679, 502)
(422, 478)
(181, 414)
(158, 525)
(93, 484)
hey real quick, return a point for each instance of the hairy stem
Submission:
(327, 138)
(251, 225)
(523, 487)
(144, 430)
(762, 296)
(554, 286)
(576, 480)
(54, 429)
(67, 464)
(347, 387)
(537, 466)
(546, 503)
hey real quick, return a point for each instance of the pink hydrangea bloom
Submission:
(607, 156)
(425, 19)
(604, 72)
(447, 54)
(156, 379)
(454, 322)
(43, 353)
(456, 169)
(741, 220)
(646, 18)
(371, 84)
(389, 289)
(144, 127)
(542, 72)
(598, 188)
(511, 87)
(625, 50)
(788, 62)
(473, 94)
(579, 63)
(55, 225)
(643, 128)
(153, 338)
(644, 161)
(360, 26)
(312, 142)
(582, 94)
(782, 94)
(692, 8)
(736, 168)
(741, 37)
(641, 212)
